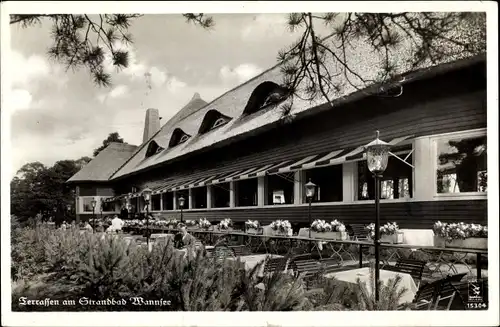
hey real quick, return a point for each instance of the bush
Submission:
(61, 264)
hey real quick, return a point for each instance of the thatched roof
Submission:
(102, 167)
(232, 104)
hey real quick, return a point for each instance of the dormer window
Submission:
(153, 148)
(219, 122)
(212, 120)
(178, 137)
(264, 95)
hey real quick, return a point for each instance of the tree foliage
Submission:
(89, 41)
(112, 137)
(39, 189)
(313, 66)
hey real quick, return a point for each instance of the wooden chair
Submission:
(456, 277)
(429, 295)
(307, 267)
(275, 264)
(426, 295)
(445, 296)
(359, 232)
(415, 268)
(330, 265)
(240, 250)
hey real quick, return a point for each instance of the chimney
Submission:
(151, 124)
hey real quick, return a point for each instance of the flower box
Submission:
(439, 241)
(468, 243)
(192, 227)
(282, 233)
(329, 235)
(255, 231)
(397, 238)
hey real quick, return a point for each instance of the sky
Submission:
(59, 114)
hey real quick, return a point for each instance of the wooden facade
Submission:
(450, 102)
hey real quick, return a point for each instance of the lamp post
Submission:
(68, 209)
(310, 190)
(146, 193)
(93, 202)
(181, 204)
(129, 205)
(377, 157)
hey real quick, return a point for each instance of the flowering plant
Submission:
(252, 224)
(161, 223)
(172, 223)
(321, 226)
(190, 223)
(225, 224)
(337, 226)
(462, 231)
(387, 229)
(204, 223)
(134, 223)
(281, 225)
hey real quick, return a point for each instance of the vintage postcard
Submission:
(250, 164)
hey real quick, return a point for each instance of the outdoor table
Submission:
(351, 276)
(251, 261)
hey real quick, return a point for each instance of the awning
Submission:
(247, 173)
(158, 189)
(252, 173)
(361, 154)
(294, 164)
(115, 198)
(194, 183)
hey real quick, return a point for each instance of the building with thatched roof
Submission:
(238, 157)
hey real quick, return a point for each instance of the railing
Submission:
(437, 257)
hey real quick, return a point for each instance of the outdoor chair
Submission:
(240, 250)
(330, 265)
(358, 232)
(306, 267)
(456, 277)
(446, 295)
(427, 295)
(415, 268)
(275, 264)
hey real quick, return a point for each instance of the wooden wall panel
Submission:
(443, 105)
(407, 215)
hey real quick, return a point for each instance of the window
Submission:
(265, 94)
(212, 119)
(280, 189)
(153, 148)
(220, 195)
(178, 137)
(87, 204)
(328, 182)
(199, 195)
(108, 206)
(397, 180)
(461, 164)
(168, 201)
(219, 122)
(155, 202)
(246, 192)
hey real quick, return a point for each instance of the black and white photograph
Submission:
(302, 164)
